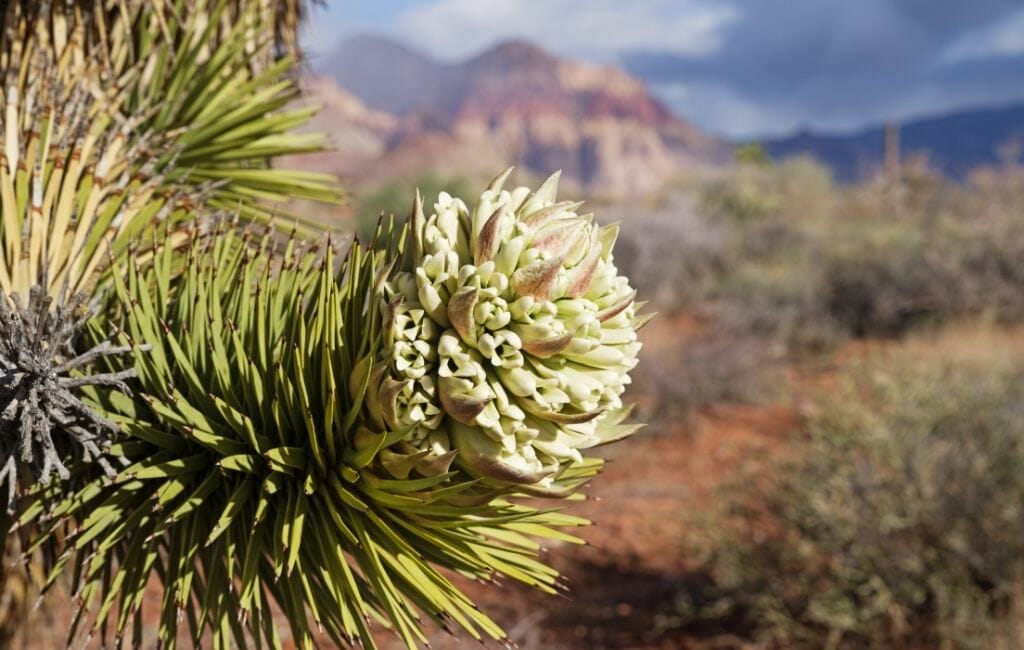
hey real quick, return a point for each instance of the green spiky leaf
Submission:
(249, 497)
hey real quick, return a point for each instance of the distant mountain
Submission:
(514, 103)
(386, 75)
(954, 143)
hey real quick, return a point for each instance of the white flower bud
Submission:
(515, 336)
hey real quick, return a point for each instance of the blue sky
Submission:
(739, 68)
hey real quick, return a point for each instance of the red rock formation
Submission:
(514, 103)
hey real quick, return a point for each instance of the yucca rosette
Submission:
(509, 336)
(253, 481)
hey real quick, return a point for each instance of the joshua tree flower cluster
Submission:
(509, 336)
(193, 394)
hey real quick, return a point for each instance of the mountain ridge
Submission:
(955, 142)
(515, 103)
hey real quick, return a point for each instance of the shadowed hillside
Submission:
(955, 143)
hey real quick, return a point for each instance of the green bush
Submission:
(926, 273)
(900, 523)
(754, 192)
(827, 263)
(780, 300)
(674, 258)
(752, 153)
(394, 198)
(748, 195)
(708, 369)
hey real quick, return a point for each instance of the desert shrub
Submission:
(772, 280)
(805, 182)
(747, 195)
(887, 279)
(826, 263)
(393, 198)
(752, 153)
(672, 257)
(780, 300)
(711, 368)
(900, 523)
(759, 191)
(884, 285)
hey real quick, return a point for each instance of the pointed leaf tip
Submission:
(499, 180)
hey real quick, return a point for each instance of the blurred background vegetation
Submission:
(885, 315)
(394, 198)
(898, 518)
(835, 391)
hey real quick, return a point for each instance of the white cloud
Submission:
(1000, 39)
(452, 29)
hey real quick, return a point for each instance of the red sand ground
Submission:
(641, 553)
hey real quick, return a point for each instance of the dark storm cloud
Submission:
(836, 64)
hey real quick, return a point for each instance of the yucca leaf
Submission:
(118, 113)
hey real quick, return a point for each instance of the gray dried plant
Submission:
(44, 426)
